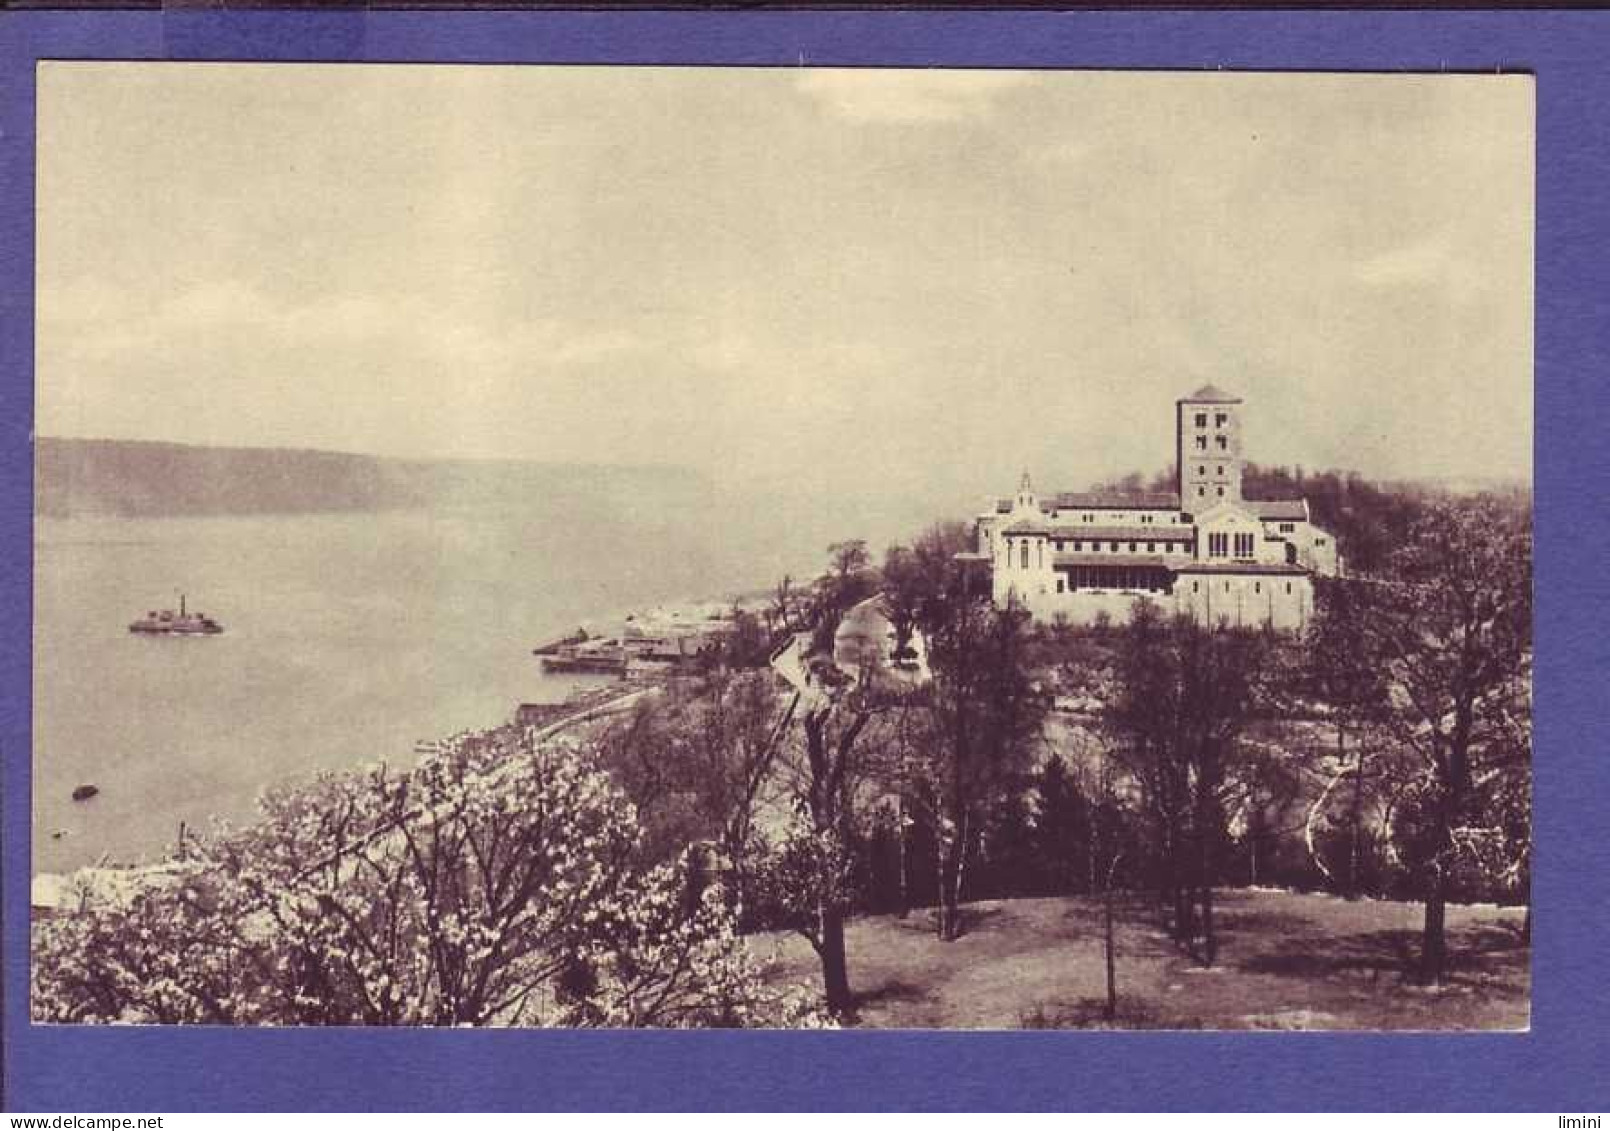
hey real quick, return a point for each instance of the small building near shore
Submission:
(866, 647)
(867, 639)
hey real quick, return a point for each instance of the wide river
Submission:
(350, 637)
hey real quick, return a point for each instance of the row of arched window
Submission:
(1023, 553)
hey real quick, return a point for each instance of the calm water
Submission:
(349, 638)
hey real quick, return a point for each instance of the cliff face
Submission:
(152, 479)
(147, 479)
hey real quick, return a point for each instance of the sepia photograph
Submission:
(682, 547)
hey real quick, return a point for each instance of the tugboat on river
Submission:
(166, 622)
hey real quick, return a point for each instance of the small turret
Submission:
(1026, 500)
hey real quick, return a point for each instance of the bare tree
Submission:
(1450, 625)
(984, 713)
(1348, 689)
(788, 610)
(730, 742)
(810, 878)
(1185, 695)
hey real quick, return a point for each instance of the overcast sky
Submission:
(905, 276)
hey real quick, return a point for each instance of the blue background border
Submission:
(1560, 1065)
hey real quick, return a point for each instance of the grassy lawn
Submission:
(1286, 961)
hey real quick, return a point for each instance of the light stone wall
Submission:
(1230, 521)
(1009, 573)
(1203, 471)
(1283, 601)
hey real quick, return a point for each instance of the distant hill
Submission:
(1503, 486)
(135, 478)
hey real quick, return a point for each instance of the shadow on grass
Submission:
(892, 992)
(1142, 926)
(972, 918)
(1493, 958)
(1091, 1013)
(1476, 956)
(925, 921)
(1235, 922)
(1311, 955)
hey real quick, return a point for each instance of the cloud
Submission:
(1422, 261)
(97, 326)
(908, 97)
(1066, 151)
(727, 352)
(867, 271)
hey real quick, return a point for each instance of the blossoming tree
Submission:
(491, 885)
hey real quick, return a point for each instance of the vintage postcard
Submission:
(684, 547)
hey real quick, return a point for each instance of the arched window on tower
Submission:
(1024, 556)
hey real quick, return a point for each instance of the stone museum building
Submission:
(1203, 548)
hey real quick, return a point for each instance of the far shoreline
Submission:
(588, 694)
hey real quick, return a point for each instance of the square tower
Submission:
(1208, 448)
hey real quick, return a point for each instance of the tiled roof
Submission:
(1117, 500)
(1283, 510)
(1159, 561)
(1210, 394)
(1103, 500)
(1125, 533)
(1181, 533)
(1247, 568)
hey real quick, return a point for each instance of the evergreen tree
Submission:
(1062, 830)
(1011, 864)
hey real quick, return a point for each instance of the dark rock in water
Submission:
(85, 792)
